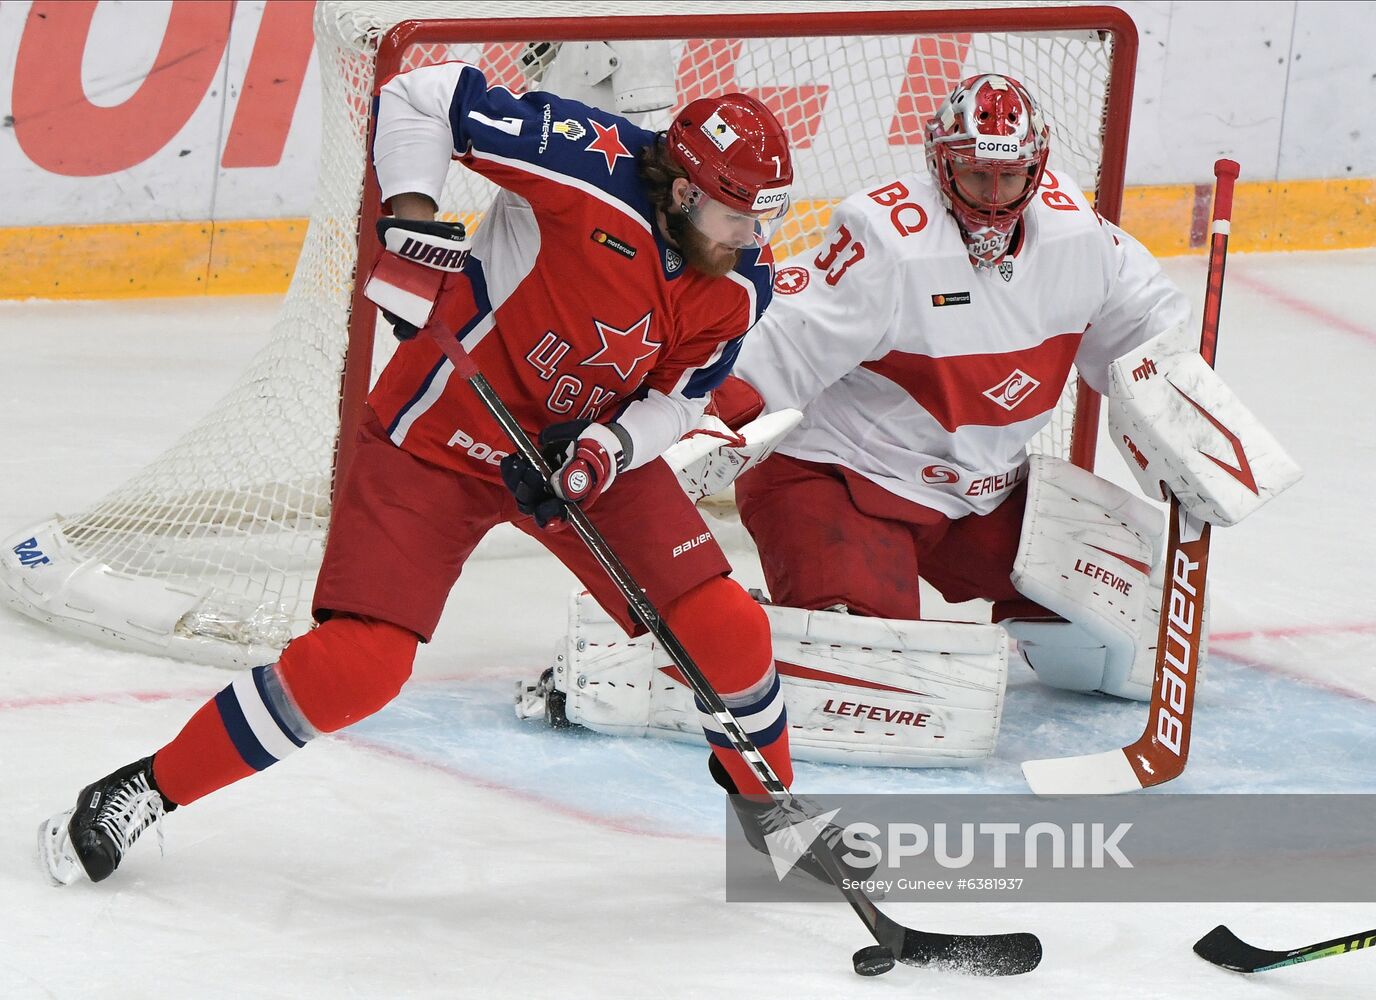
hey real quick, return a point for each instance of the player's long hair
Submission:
(658, 171)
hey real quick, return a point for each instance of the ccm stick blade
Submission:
(1225, 949)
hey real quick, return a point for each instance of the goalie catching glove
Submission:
(1182, 429)
(585, 458)
(410, 276)
(708, 458)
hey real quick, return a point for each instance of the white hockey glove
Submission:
(408, 277)
(709, 457)
(1182, 429)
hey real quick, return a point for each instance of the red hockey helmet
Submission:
(986, 150)
(736, 154)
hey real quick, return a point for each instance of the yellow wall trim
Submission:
(243, 257)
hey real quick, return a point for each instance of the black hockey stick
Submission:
(974, 954)
(1224, 948)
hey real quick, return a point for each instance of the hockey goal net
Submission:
(210, 553)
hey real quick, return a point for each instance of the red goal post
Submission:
(1075, 430)
(210, 552)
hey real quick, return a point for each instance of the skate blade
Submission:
(55, 855)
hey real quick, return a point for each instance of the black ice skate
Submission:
(761, 817)
(542, 700)
(110, 815)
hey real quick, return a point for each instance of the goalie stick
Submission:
(1161, 752)
(975, 954)
(1225, 949)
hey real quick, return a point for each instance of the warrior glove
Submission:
(410, 274)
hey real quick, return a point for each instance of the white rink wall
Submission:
(230, 131)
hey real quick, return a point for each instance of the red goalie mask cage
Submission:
(210, 553)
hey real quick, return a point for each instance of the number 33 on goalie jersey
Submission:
(572, 304)
(929, 377)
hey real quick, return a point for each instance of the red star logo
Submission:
(608, 143)
(624, 349)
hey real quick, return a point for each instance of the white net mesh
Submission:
(235, 512)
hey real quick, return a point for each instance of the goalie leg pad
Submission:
(858, 690)
(1064, 655)
(1086, 553)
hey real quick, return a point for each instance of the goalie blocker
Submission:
(1182, 430)
(858, 690)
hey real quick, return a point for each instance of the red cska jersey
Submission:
(575, 304)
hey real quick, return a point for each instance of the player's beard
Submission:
(700, 253)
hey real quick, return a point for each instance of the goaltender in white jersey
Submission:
(928, 377)
(926, 341)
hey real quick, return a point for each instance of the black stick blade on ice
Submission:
(1225, 949)
(972, 954)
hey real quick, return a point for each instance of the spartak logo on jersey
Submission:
(791, 280)
(1013, 389)
(623, 350)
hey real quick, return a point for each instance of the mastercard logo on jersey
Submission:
(603, 238)
(951, 299)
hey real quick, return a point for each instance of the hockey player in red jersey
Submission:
(926, 341)
(604, 296)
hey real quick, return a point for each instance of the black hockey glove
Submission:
(585, 458)
(408, 277)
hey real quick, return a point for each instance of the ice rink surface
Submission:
(442, 849)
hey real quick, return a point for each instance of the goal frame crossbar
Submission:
(1060, 20)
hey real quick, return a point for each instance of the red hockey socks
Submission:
(727, 634)
(333, 675)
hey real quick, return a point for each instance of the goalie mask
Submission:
(739, 169)
(986, 151)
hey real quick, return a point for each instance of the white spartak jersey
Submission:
(929, 377)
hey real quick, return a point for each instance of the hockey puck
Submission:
(872, 961)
